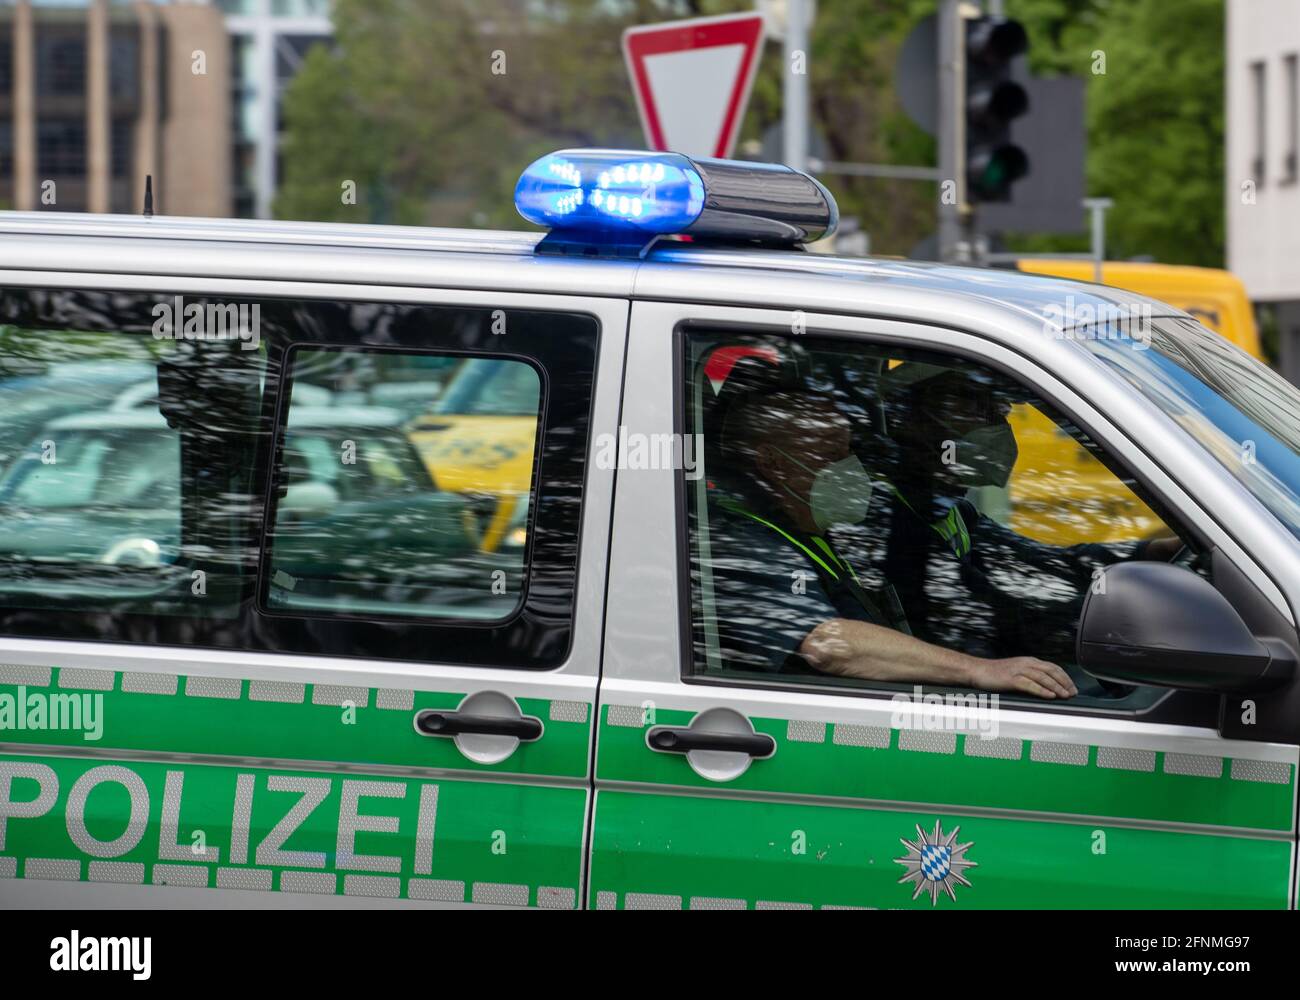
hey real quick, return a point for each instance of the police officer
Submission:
(785, 596)
(941, 555)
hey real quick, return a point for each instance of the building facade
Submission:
(96, 96)
(1262, 165)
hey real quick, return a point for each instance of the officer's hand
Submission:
(1025, 674)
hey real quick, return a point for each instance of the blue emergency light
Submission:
(619, 202)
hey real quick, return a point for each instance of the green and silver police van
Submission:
(788, 618)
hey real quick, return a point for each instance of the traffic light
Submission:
(993, 100)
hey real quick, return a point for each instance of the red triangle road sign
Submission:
(692, 80)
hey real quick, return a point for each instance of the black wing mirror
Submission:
(1155, 623)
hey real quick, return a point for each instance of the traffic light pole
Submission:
(795, 90)
(951, 128)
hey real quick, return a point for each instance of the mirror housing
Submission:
(1156, 623)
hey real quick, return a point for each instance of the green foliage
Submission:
(411, 106)
(1155, 128)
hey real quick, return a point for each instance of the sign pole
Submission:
(795, 96)
(951, 117)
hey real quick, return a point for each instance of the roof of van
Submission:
(416, 257)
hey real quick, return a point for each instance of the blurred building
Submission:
(1263, 160)
(269, 39)
(94, 96)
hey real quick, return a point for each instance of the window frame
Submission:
(1175, 706)
(539, 637)
(284, 404)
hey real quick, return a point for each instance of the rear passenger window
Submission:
(344, 478)
(363, 523)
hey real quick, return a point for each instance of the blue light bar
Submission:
(611, 191)
(619, 201)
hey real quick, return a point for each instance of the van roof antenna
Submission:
(148, 196)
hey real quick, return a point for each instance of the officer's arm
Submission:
(849, 648)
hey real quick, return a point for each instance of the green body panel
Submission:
(241, 727)
(954, 779)
(824, 855)
(494, 832)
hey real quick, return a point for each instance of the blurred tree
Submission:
(431, 107)
(1155, 128)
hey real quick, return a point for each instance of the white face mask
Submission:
(840, 494)
(986, 456)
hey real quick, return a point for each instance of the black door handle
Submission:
(437, 722)
(682, 739)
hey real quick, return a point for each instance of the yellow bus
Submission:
(1052, 466)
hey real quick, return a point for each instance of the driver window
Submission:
(883, 519)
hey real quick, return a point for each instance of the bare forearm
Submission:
(850, 648)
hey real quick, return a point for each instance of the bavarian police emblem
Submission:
(935, 862)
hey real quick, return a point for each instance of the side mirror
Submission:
(1155, 623)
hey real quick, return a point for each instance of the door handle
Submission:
(438, 722)
(683, 739)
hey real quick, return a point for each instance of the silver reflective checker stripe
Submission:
(244, 878)
(1126, 759)
(213, 687)
(287, 692)
(716, 903)
(31, 676)
(395, 699)
(550, 897)
(1193, 764)
(607, 901)
(86, 680)
(801, 731)
(8, 867)
(651, 901)
(134, 682)
(765, 904)
(193, 876)
(440, 889)
(499, 894)
(337, 694)
(833, 906)
(628, 716)
(319, 883)
(385, 886)
(125, 872)
(1046, 752)
(847, 735)
(56, 869)
(568, 711)
(1002, 748)
(927, 740)
(1272, 772)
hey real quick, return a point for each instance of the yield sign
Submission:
(692, 80)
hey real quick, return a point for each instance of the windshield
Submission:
(491, 387)
(1241, 411)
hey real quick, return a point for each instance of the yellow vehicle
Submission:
(479, 441)
(1052, 467)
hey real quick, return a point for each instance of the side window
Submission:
(293, 475)
(94, 513)
(375, 517)
(878, 519)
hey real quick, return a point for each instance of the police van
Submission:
(761, 632)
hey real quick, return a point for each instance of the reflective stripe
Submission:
(736, 508)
